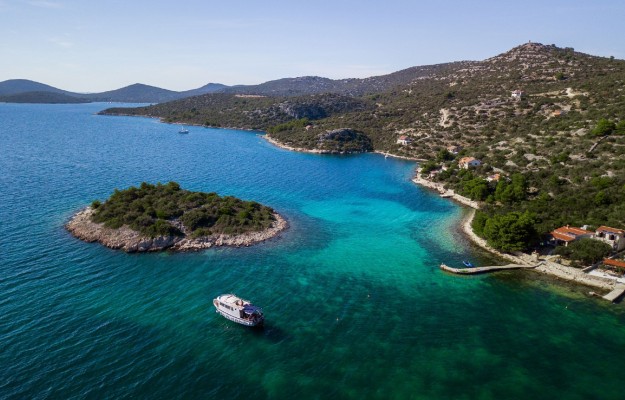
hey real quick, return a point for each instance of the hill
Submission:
(18, 86)
(248, 111)
(136, 93)
(42, 97)
(208, 88)
(309, 85)
(26, 91)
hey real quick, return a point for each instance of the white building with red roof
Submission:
(567, 234)
(469, 162)
(404, 140)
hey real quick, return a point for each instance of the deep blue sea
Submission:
(356, 306)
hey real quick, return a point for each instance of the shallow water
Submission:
(355, 304)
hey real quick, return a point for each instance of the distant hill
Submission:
(17, 86)
(209, 88)
(136, 93)
(285, 87)
(27, 91)
(42, 97)
(308, 85)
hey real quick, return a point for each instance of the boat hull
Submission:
(241, 321)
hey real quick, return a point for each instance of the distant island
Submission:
(27, 91)
(164, 216)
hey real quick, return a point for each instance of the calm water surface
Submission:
(355, 304)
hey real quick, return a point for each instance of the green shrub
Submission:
(149, 209)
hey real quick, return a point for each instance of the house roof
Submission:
(614, 263)
(568, 233)
(610, 230)
(467, 159)
(562, 236)
(573, 230)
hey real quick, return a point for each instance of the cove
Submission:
(355, 304)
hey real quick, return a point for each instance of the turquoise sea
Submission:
(355, 304)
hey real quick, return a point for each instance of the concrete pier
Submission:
(481, 270)
(615, 294)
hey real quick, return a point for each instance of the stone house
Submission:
(404, 140)
(612, 236)
(469, 162)
(518, 94)
(494, 177)
(454, 149)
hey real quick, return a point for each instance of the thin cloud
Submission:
(45, 4)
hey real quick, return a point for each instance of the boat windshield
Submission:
(250, 309)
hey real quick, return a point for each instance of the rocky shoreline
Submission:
(543, 266)
(128, 240)
(301, 149)
(444, 192)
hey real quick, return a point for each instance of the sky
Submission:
(94, 46)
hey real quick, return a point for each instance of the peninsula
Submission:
(164, 216)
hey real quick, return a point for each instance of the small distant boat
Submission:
(238, 310)
(468, 264)
(183, 130)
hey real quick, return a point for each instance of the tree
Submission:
(510, 232)
(479, 220)
(586, 250)
(428, 167)
(476, 189)
(620, 128)
(601, 199)
(511, 192)
(604, 127)
(444, 155)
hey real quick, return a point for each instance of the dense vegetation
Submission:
(559, 147)
(168, 210)
(585, 251)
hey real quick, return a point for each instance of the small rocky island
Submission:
(164, 216)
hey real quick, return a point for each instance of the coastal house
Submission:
(612, 236)
(494, 178)
(469, 162)
(454, 149)
(404, 140)
(518, 94)
(567, 234)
